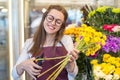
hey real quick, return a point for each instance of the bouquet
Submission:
(89, 40)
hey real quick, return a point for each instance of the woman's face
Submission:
(53, 21)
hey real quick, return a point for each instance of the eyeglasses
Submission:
(50, 18)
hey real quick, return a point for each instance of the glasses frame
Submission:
(51, 18)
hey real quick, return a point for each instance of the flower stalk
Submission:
(60, 65)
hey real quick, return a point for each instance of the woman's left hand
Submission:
(73, 57)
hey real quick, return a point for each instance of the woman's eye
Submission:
(58, 22)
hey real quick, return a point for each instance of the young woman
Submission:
(48, 42)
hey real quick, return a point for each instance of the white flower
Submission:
(98, 73)
(71, 26)
(108, 77)
(115, 77)
(116, 29)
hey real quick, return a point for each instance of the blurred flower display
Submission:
(99, 35)
(107, 20)
(104, 16)
(108, 69)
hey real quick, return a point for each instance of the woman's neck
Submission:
(49, 40)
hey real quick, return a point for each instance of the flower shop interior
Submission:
(99, 58)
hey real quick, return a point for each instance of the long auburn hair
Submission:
(39, 37)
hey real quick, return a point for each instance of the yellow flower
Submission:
(102, 9)
(111, 60)
(86, 39)
(117, 64)
(84, 25)
(94, 62)
(107, 68)
(116, 10)
(91, 14)
(117, 71)
(106, 57)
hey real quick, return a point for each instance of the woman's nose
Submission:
(53, 22)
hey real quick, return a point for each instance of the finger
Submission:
(32, 59)
(36, 71)
(37, 66)
(76, 51)
(31, 74)
(35, 74)
(75, 44)
(71, 59)
(74, 55)
(33, 77)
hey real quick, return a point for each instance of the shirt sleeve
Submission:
(24, 55)
(68, 43)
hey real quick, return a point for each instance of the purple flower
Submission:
(112, 44)
(81, 37)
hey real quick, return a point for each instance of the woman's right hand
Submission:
(28, 65)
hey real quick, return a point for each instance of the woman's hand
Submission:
(29, 66)
(74, 56)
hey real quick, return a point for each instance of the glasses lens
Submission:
(58, 22)
(50, 18)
